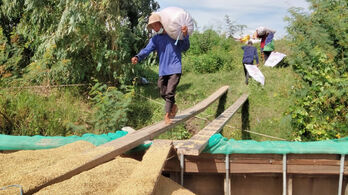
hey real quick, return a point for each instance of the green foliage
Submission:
(27, 113)
(178, 133)
(112, 107)
(3, 49)
(320, 56)
(64, 42)
(201, 43)
(210, 52)
(207, 63)
(140, 112)
(73, 41)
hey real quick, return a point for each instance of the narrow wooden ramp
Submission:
(198, 142)
(109, 151)
(144, 178)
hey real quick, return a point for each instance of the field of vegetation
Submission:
(71, 73)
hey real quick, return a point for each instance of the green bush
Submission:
(66, 42)
(319, 55)
(4, 50)
(210, 52)
(208, 63)
(28, 113)
(60, 42)
(111, 107)
(201, 43)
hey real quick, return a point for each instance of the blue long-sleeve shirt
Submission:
(169, 54)
(249, 53)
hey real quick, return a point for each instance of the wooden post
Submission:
(245, 120)
(196, 144)
(182, 168)
(221, 106)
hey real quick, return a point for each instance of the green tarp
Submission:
(37, 142)
(217, 144)
(220, 145)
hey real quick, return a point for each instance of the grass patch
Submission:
(30, 112)
(70, 112)
(267, 104)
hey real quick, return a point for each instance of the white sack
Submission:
(262, 31)
(255, 73)
(173, 18)
(274, 59)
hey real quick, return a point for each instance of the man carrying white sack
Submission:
(267, 44)
(169, 62)
(250, 53)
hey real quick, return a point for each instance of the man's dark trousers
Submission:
(167, 85)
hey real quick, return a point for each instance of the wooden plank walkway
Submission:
(198, 142)
(110, 150)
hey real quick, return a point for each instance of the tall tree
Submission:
(73, 41)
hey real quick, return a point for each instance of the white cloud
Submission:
(253, 13)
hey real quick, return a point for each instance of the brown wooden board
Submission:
(198, 142)
(256, 163)
(204, 184)
(318, 185)
(123, 144)
(256, 184)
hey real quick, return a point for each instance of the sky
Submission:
(253, 13)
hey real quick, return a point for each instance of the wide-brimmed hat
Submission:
(154, 17)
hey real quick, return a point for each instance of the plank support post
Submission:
(341, 174)
(227, 182)
(245, 120)
(182, 169)
(284, 174)
(196, 144)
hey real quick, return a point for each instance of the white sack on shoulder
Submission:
(173, 18)
(274, 59)
(255, 73)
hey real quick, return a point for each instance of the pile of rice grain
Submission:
(145, 176)
(167, 186)
(100, 180)
(32, 168)
(119, 176)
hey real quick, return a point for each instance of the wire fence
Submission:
(45, 86)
